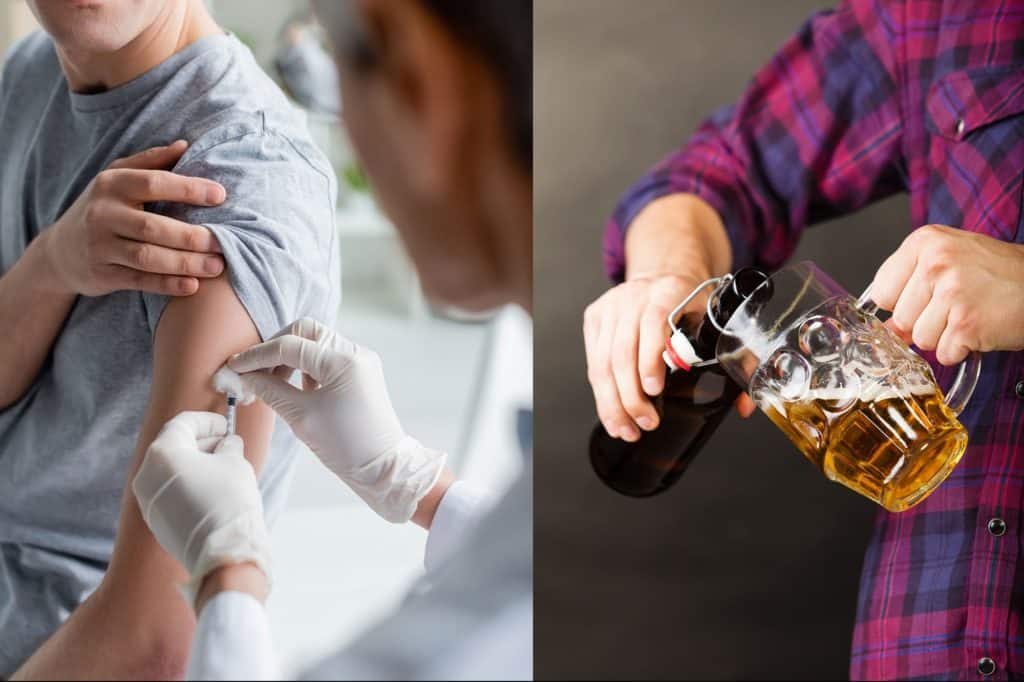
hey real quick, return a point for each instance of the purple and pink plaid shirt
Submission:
(874, 98)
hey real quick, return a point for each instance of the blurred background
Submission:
(748, 567)
(337, 566)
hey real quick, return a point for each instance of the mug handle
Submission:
(967, 374)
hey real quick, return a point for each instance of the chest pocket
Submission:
(976, 151)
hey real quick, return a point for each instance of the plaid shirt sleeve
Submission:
(816, 134)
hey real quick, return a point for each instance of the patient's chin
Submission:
(92, 27)
(89, 38)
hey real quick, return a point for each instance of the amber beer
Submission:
(892, 448)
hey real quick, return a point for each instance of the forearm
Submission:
(107, 637)
(33, 303)
(246, 578)
(137, 625)
(679, 234)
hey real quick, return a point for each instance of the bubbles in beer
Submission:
(821, 338)
(811, 423)
(860, 405)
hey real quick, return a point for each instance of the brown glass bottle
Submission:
(690, 408)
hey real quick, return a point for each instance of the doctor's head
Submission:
(437, 98)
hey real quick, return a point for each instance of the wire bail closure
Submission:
(719, 283)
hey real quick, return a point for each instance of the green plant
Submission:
(355, 177)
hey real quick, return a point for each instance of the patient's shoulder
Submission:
(263, 136)
(233, 111)
(276, 226)
(222, 95)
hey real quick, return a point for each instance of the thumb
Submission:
(208, 444)
(906, 337)
(277, 393)
(232, 445)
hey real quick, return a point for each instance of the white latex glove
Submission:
(203, 507)
(343, 413)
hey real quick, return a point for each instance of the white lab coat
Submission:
(469, 617)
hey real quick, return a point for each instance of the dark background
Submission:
(748, 568)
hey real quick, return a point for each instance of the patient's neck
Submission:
(177, 26)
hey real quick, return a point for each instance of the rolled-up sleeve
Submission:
(818, 133)
(276, 227)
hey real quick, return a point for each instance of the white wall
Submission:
(16, 20)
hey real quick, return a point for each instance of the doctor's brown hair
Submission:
(499, 31)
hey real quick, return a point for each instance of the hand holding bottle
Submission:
(673, 245)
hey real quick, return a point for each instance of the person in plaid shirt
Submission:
(873, 98)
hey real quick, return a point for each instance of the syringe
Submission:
(232, 409)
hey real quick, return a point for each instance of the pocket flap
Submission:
(977, 97)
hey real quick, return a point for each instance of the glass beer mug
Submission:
(853, 397)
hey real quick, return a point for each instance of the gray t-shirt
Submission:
(66, 445)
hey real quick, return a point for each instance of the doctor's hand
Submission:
(953, 292)
(343, 413)
(200, 497)
(106, 241)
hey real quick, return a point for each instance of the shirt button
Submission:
(997, 527)
(1019, 389)
(986, 666)
(960, 126)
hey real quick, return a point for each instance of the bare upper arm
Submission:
(136, 624)
(194, 337)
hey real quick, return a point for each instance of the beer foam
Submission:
(868, 391)
(832, 394)
(877, 391)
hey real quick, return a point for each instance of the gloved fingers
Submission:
(294, 352)
(309, 383)
(160, 467)
(282, 351)
(306, 328)
(309, 328)
(231, 445)
(283, 373)
(152, 476)
(345, 346)
(188, 427)
(208, 445)
(278, 394)
(261, 356)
